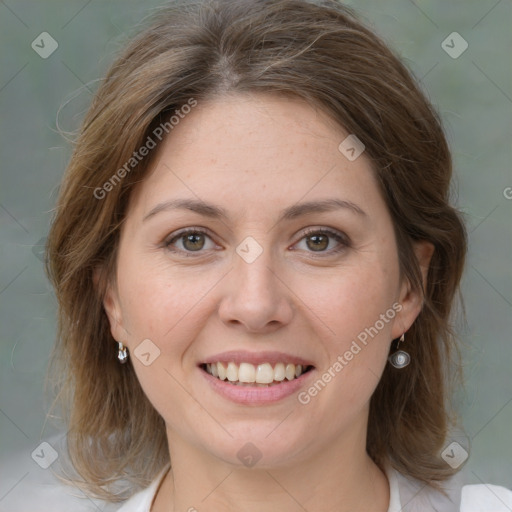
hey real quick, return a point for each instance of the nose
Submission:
(255, 297)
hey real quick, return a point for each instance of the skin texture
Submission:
(255, 155)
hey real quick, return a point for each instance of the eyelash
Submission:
(342, 240)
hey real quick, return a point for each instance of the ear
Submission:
(411, 300)
(111, 305)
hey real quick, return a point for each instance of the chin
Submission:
(260, 449)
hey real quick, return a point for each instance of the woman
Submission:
(256, 260)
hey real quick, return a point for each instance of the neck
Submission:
(342, 479)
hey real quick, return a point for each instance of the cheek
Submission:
(362, 316)
(351, 300)
(163, 307)
(356, 309)
(155, 301)
(170, 308)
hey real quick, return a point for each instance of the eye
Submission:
(194, 240)
(191, 240)
(318, 240)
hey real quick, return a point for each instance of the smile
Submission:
(263, 375)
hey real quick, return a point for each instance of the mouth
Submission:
(255, 375)
(256, 378)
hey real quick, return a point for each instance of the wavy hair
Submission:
(318, 51)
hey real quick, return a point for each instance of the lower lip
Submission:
(248, 395)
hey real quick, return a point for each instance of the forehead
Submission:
(262, 151)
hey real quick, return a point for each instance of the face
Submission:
(251, 273)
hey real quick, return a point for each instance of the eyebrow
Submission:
(290, 213)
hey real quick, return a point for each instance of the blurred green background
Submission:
(472, 92)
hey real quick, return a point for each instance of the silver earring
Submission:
(122, 355)
(400, 359)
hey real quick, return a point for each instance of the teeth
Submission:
(279, 374)
(232, 372)
(221, 370)
(247, 373)
(290, 371)
(262, 374)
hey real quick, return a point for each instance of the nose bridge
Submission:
(252, 272)
(255, 296)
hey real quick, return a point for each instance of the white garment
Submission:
(405, 495)
(25, 486)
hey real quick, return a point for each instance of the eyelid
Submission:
(342, 239)
(325, 230)
(176, 235)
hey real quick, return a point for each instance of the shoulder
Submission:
(27, 485)
(457, 497)
(142, 501)
(485, 498)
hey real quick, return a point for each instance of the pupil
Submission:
(318, 244)
(194, 239)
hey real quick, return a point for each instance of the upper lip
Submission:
(241, 356)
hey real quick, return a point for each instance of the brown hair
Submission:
(317, 51)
